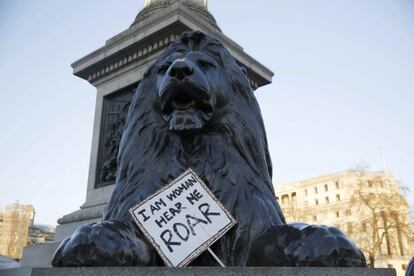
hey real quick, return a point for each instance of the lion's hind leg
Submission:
(305, 245)
(109, 243)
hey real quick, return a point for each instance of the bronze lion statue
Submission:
(195, 109)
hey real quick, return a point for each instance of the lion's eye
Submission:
(163, 68)
(206, 64)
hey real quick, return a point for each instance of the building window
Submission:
(326, 188)
(348, 212)
(350, 229)
(316, 202)
(306, 192)
(370, 183)
(364, 227)
(390, 266)
(315, 218)
(337, 214)
(338, 197)
(316, 190)
(337, 184)
(327, 199)
(404, 267)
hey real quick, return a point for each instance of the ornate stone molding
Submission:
(131, 57)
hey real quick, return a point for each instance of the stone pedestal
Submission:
(197, 271)
(39, 255)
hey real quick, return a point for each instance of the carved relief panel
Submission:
(115, 110)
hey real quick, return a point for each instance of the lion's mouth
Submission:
(180, 98)
(183, 102)
(186, 108)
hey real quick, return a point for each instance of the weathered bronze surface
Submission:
(195, 109)
(410, 269)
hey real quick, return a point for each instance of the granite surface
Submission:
(197, 271)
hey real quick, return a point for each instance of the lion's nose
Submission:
(180, 70)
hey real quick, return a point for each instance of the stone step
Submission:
(198, 271)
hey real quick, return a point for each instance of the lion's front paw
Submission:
(325, 246)
(306, 245)
(104, 244)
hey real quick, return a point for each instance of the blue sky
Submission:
(343, 86)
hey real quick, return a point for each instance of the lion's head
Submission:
(187, 84)
(195, 80)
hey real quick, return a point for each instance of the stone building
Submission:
(15, 221)
(39, 234)
(367, 206)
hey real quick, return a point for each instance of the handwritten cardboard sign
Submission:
(182, 219)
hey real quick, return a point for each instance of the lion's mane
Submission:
(230, 153)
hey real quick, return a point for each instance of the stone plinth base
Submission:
(38, 255)
(198, 271)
